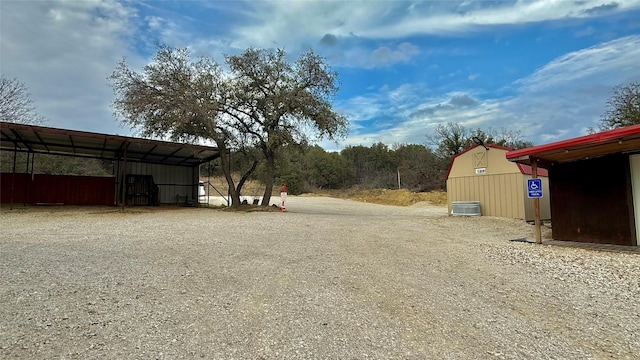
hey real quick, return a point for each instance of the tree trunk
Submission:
(246, 175)
(268, 186)
(224, 161)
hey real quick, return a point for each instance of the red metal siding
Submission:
(57, 189)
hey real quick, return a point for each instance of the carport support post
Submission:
(536, 202)
(123, 185)
(13, 175)
(26, 180)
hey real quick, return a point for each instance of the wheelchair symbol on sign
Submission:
(534, 187)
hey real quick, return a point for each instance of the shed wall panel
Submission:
(57, 189)
(486, 192)
(498, 194)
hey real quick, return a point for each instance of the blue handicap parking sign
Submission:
(534, 188)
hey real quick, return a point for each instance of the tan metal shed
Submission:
(485, 175)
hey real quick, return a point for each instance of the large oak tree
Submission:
(177, 98)
(264, 101)
(277, 103)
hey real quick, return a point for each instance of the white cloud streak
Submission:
(63, 52)
(557, 101)
(295, 22)
(618, 58)
(353, 25)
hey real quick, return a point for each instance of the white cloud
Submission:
(63, 52)
(588, 31)
(613, 61)
(408, 113)
(386, 56)
(568, 94)
(428, 19)
(286, 23)
(352, 26)
(557, 101)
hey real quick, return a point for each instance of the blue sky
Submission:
(542, 67)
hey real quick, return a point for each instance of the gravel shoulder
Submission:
(327, 279)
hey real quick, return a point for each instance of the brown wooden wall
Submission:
(57, 189)
(591, 201)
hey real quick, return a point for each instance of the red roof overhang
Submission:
(621, 140)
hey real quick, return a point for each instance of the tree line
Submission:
(307, 168)
(265, 112)
(416, 167)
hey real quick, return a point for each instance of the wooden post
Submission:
(26, 181)
(536, 203)
(123, 186)
(13, 175)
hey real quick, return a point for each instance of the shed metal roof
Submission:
(621, 140)
(47, 140)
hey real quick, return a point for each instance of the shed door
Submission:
(635, 184)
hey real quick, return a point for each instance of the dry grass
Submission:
(400, 197)
(251, 187)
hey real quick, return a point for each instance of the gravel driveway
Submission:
(327, 279)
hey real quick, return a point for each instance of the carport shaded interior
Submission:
(47, 140)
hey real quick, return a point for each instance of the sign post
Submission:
(283, 196)
(534, 186)
(534, 190)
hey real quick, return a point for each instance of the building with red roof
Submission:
(482, 174)
(594, 184)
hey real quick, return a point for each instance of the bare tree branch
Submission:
(15, 104)
(623, 107)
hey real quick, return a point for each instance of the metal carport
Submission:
(176, 164)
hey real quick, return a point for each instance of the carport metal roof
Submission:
(621, 140)
(47, 140)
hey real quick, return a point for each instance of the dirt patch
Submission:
(401, 197)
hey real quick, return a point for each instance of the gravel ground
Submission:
(327, 279)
